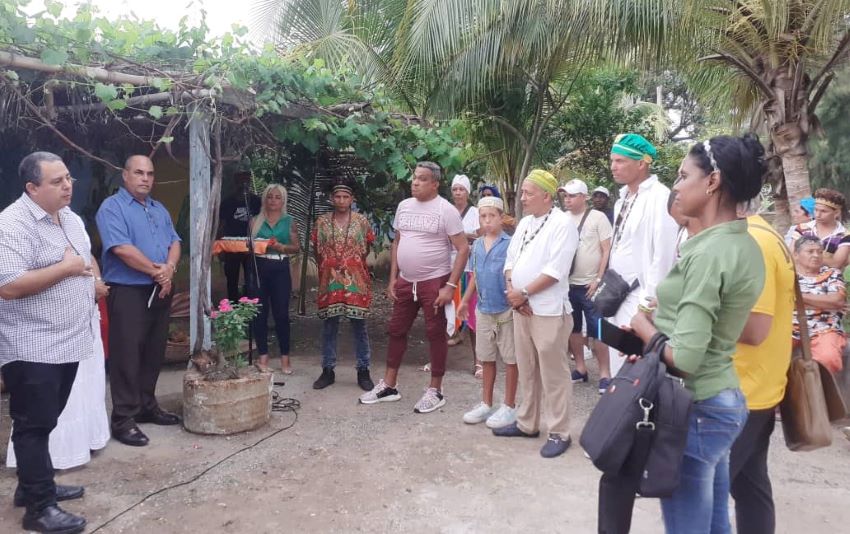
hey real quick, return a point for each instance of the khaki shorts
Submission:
(494, 335)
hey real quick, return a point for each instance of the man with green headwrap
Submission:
(643, 247)
(537, 270)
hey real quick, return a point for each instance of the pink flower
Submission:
(213, 314)
(224, 302)
(254, 301)
(243, 300)
(225, 307)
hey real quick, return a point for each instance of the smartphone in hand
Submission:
(619, 339)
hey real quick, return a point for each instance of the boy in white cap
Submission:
(494, 315)
(591, 257)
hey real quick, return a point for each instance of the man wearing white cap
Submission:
(601, 201)
(591, 257)
(461, 189)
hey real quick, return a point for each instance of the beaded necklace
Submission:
(525, 241)
(620, 223)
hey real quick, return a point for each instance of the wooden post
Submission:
(199, 195)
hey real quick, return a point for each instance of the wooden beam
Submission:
(136, 101)
(199, 195)
(7, 59)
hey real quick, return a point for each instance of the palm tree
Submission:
(509, 64)
(772, 59)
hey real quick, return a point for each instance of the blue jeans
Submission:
(330, 329)
(700, 505)
(581, 303)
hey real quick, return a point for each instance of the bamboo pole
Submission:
(8, 59)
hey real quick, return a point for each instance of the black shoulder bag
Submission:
(612, 289)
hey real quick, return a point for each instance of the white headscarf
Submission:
(462, 179)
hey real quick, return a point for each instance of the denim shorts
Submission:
(582, 304)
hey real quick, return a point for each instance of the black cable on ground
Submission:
(279, 404)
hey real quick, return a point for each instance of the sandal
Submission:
(426, 368)
(479, 371)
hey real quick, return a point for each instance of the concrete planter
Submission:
(226, 406)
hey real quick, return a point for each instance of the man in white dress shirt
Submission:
(643, 245)
(537, 279)
(47, 293)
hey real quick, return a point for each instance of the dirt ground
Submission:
(345, 467)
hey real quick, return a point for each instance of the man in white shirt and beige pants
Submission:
(537, 275)
(643, 245)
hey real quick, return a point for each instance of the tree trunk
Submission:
(537, 126)
(789, 142)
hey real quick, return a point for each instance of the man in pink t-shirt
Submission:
(422, 275)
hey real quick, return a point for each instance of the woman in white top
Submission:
(83, 425)
(461, 188)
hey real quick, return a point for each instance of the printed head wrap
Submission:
(342, 187)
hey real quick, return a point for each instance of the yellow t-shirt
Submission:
(763, 369)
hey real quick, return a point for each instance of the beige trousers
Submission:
(544, 372)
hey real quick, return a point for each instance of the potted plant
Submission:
(222, 394)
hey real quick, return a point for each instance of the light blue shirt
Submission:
(488, 267)
(123, 220)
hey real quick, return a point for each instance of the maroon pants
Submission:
(405, 310)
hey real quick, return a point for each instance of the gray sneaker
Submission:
(430, 401)
(380, 393)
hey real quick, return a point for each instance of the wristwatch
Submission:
(524, 292)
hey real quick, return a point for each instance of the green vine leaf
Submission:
(106, 93)
(117, 105)
(54, 57)
(155, 112)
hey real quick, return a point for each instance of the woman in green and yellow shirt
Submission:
(703, 305)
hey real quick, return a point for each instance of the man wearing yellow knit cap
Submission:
(537, 272)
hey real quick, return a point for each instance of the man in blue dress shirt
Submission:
(140, 255)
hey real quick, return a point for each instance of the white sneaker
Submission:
(430, 401)
(504, 416)
(479, 414)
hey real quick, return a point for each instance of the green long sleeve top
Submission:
(705, 301)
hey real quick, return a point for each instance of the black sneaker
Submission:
(326, 379)
(364, 380)
(576, 377)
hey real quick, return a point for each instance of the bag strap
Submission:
(580, 226)
(805, 338)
